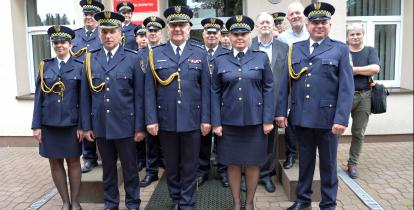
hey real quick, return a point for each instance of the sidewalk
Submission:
(386, 173)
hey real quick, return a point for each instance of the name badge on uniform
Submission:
(194, 61)
(161, 61)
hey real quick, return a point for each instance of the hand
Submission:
(267, 127)
(37, 133)
(218, 130)
(89, 135)
(281, 122)
(205, 128)
(139, 136)
(79, 134)
(338, 129)
(153, 129)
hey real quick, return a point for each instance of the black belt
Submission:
(363, 90)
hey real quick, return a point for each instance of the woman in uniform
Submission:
(56, 112)
(242, 108)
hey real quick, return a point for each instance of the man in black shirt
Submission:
(365, 64)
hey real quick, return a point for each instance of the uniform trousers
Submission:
(181, 152)
(125, 149)
(326, 142)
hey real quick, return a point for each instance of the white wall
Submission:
(15, 116)
(397, 120)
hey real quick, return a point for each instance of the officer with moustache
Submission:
(87, 39)
(322, 89)
(177, 104)
(112, 109)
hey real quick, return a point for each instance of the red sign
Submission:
(140, 5)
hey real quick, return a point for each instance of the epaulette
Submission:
(162, 44)
(78, 29)
(48, 59)
(132, 51)
(258, 51)
(95, 50)
(196, 44)
(78, 61)
(223, 53)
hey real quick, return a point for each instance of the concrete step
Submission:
(91, 190)
(289, 179)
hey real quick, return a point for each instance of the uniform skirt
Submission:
(242, 145)
(59, 142)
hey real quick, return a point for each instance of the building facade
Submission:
(24, 43)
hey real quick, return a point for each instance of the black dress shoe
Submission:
(269, 186)
(225, 181)
(352, 171)
(243, 184)
(88, 166)
(300, 206)
(148, 179)
(289, 162)
(175, 206)
(201, 180)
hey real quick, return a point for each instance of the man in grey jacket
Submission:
(277, 52)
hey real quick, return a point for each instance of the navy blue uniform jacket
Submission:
(117, 111)
(163, 104)
(322, 96)
(242, 91)
(51, 109)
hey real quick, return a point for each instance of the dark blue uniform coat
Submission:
(50, 109)
(321, 97)
(242, 91)
(81, 40)
(129, 34)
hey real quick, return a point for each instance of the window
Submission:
(382, 21)
(222, 9)
(38, 19)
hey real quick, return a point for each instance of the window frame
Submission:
(369, 23)
(31, 31)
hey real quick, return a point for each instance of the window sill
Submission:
(26, 97)
(399, 91)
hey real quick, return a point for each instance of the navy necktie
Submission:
(61, 65)
(210, 53)
(240, 55)
(109, 57)
(177, 54)
(88, 33)
(314, 46)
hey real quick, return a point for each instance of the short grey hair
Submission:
(355, 26)
(294, 6)
(264, 15)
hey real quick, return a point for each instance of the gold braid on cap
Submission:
(61, 34)
(158, 78)
(179, 15)
(240, 25)
(88, 72)
(90, 6)
(320, 12)
(47, 89)
(157, 24)
(212, 25)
